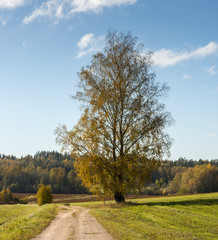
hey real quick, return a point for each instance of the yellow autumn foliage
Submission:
(120, 135)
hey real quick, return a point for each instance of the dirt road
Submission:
(74, 223)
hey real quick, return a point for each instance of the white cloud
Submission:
(46, 9)
(186, 76)
(96, 5)
(90, 44)
(85, 40)
(165, 58)
(211, 135)
(11, 3)
(58, 9)
(212, 70)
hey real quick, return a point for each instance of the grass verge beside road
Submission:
(182, 217)
(21, 222)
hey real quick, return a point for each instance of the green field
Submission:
(20, 222)
(181, 217)
(186, 217)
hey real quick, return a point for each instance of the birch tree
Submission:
(120, 135)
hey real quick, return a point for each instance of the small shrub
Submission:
(29, 199)
(44, 195)
(16, 200)
(32, 199)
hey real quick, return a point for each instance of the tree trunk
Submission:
(119, 197)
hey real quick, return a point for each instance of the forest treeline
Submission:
(184, 176)
(23, 175)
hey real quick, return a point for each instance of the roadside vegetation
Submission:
(181, 217)
(20, 222)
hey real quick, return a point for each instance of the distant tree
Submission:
(3, 196)
(200, 179)
(6, 196)
(175, 184)
(44, 195)
(121, 133)
(9, 195)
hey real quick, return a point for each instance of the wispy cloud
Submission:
(90, 44)
(3, 20)
(187, 76)
(166, 57)
(211, 70)
(59, 9)
(11, 3)
(209, 90)
(85, 40)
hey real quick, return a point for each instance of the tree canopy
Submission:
(120, 135)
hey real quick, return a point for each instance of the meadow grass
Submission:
(20, 222)
(180, 217)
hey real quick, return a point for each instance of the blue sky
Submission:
(43, 44)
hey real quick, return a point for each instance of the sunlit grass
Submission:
(183, 217)
(20, 222)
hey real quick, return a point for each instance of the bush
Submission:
(44, 194)
(152, 189)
